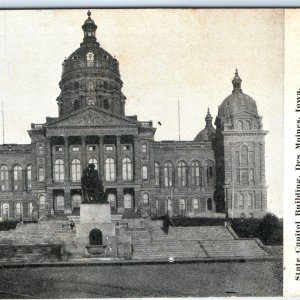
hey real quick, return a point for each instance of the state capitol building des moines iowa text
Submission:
(222, 169)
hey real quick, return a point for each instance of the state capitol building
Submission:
(221, 170)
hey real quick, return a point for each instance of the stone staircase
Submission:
(47, 240)
(192, 242)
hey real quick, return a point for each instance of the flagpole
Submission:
(179, 119)
(2, 123)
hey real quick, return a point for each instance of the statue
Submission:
(92, 186)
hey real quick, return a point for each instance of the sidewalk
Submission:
(118, 262)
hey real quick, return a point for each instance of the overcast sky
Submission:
(164, 56)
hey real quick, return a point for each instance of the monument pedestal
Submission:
(96, 230)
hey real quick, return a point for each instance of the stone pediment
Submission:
(92, 117)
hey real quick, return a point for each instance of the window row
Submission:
(17, 211)
(109, 169)
(17, 179)
(183, 206)
(165, 175)
(245, 201)
(92, 148)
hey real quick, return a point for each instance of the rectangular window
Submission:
(244, 177)
(40, 149)
(196, 204)
(58, 148)
(60, 201)
(126, 147)
(92, 148)
(145, 172)
(75, 149)
(41, 174)
(109, 148)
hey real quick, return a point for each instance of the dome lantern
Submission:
(237, 82)
(208, 119)
(89, 28)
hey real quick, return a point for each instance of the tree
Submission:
(267, 226)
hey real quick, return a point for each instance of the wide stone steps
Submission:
(188, 233)
(200, 249)
(193, 242)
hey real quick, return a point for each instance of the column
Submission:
(137, 159)
(101, 158)
(24, 179)
(67, 199)
(83, 151)
(120, 201)
(119, 159)
(66, 160)
(49, 201)
(49, 166)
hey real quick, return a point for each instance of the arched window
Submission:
(209, 204)
(110, 170)
(244, 155)
(144, 172)
(42, 202)
(250, 201)
(106, 104)
(94, 161)
(18, 210)
(127, 201)
(241, 201)
(59, 172)
(182, 172)
(91, 101)
(247, 125)
(144, 148)
(157, 173)
(90, 59)
(76, 170)
(239, 125)
(182, 206)
(17, 176)
(196, 204)
(196, 179)
(76, 85)
(41, 174)
(168, 174)
(209, 170)
(169, 207)
(145, 198)
(76, 104)
(4, 178)
(127, 169)
(5, 211)
(90, 85)
(28, 175)
(111, 198)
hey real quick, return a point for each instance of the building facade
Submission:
(221, 170)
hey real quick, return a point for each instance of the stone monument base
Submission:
(96, 218)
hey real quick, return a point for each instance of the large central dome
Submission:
(90, 76)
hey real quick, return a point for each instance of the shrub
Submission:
(268, 225)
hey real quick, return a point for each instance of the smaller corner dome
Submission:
(238, 101)
(208, 133)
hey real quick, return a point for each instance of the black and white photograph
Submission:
(142, 152)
